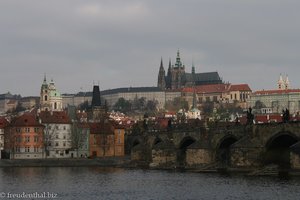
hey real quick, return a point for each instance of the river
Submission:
(114, 183)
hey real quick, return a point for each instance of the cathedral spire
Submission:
(178, 61)
(161, 64)
(193, 67)
(161, 82)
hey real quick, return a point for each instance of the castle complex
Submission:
(177, 78)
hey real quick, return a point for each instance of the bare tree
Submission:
(10, 142)
(49, 136)
(78, 137)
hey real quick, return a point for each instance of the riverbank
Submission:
(74, 162)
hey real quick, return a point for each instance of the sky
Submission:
(119, 43)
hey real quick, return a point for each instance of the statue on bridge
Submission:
(285, 115)
(250, 116)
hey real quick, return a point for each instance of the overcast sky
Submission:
(120, 43)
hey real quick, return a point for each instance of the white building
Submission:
(57, 134)
(274, 101)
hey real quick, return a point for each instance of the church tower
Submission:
(177, 73)
(280, 83)
(50, 97)
(44, 96)
(161, 82)
(287, 83)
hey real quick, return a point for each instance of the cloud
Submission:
(120, 43)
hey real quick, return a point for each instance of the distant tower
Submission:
(178, 61)
(287, 83)
(178, 72)
(44, 95)
(193, 74)
(161, 82)
(169, 76)
(50, 97)
(96, 99)
(281, 84)
(98, 111)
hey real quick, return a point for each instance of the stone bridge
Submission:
(234, 146)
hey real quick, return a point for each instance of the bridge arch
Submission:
(181, 153)
(136, 142)
(156, 141)
(277, 149)
(222, 154)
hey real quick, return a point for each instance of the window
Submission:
(56, 137)
(235, 96)
(200, 99)
(36, 149)
(36, 138)
(56, 144)
(27, 139)
(46, 97)
(55, 104)
(64, 137)
(215, 98)
(36, 130)
(27, 130)
(17, 149)
(64, 127)
(27, 149)
(119, 141)
(64, 144)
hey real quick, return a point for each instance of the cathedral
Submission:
(50, 99)
(177, 78)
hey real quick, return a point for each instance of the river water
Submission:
(112, 183)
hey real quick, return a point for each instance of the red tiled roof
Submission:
(266, 92)
(26, 120)
(83, 125)
(213, 88)
(217, 88)
(101, 128)
(55, 117)
(3, 122)
(239, 87)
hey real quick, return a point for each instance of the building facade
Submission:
(106, 139)
(218, 93)
(274, 101)
(3, 124)
(23, 138)
(177, 78)
(57, 134)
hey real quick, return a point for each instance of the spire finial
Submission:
(161, 62)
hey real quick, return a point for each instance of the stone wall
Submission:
(295, 161)
(245, 157)
(163, 157)
(196, 157)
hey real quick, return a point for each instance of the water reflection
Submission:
(115, 183)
